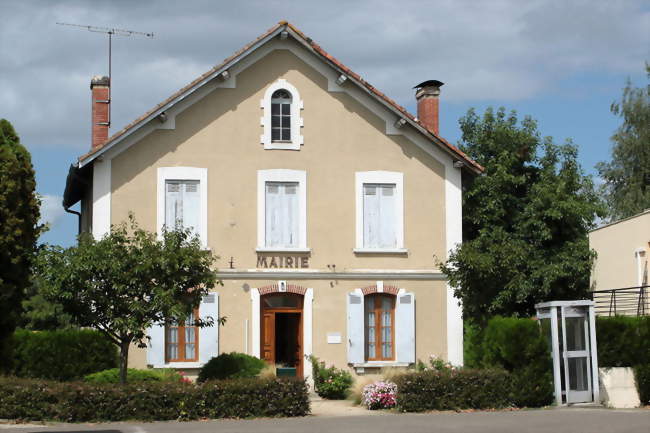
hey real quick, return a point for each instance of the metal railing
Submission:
(627, 301)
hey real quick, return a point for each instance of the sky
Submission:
(561, 62)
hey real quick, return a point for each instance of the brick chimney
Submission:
(99, 86)
(428, 97)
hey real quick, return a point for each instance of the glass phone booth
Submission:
(571, 330)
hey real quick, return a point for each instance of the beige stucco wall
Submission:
(616, 265)
(341, 137)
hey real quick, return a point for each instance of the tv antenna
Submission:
(110, 32)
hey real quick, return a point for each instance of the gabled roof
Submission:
(313, 47)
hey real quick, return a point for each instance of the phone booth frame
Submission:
(579, 313)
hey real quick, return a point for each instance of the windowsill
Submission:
(371, 364)
(180, 365)
(282, 145)
(380, 251)
(282, 250)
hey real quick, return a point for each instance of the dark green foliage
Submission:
(330, 382)
(231, 365)
(129, 280)
(456, 390)
(626, 186)
(19, 230)
(623, 341)
(40, 314)
(642, 376)
(62, 355)
(25, 399)
(525, 220)
(518, 346)
(134, 375)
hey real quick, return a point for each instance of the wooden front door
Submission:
(281, 333)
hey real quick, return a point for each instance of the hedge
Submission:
(62, 354)
(29, 399)
(135, 375)
(642, 376)
(622, 340)
(231, 365)
(462, 389)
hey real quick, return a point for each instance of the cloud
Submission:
(51, 210)
(484, 51)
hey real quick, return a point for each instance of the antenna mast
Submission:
(110, 32)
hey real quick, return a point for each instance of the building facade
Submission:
(328, 205)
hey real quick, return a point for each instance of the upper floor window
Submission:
(281, 118)
(182, 200)
(380, 212)
(282, 210)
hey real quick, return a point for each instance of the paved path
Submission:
(574, 420)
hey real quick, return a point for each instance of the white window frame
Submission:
(184, 173)
(380, 177)
(296, 117)
(282, 175)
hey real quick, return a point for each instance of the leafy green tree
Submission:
(19, 230)
(129, 280)
(525, 220)
(41, 314)
(627, 176)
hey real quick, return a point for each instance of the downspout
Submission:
(78, 218)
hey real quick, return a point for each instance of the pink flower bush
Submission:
(379, 395)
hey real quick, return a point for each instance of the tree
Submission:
(129, 280)
(626, 177)
(19, 230)
(525, 220)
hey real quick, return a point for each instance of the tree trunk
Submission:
(124, 360)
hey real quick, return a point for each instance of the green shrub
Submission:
(622, 340)
(28, 399)
(642, 376)
(454, 390)
(330, 382)
(62, 354)
(135, 375)
(231, 365)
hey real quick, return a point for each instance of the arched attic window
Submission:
(282, 117)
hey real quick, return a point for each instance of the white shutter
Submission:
(405, 327)
(370, 216)
(156, 346)
(173, 204)
(209, 336)
(191, 206)
(272, 202)
(387, 221)
(356, 352)
(292, 218)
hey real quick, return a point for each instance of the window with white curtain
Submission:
(379, 222)
(182, 205)
(282, 214)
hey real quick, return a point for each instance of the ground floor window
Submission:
(182, 340)
(379, 327)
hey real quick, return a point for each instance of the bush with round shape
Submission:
(330, 382)
(231, 365)
(379, 395)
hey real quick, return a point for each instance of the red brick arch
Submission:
(391, 290)
(275, 288)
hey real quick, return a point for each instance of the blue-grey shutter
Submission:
(209, 336)
(405, 327)
(355, 328)
(156, 346)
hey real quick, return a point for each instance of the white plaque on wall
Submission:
(333, 338)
